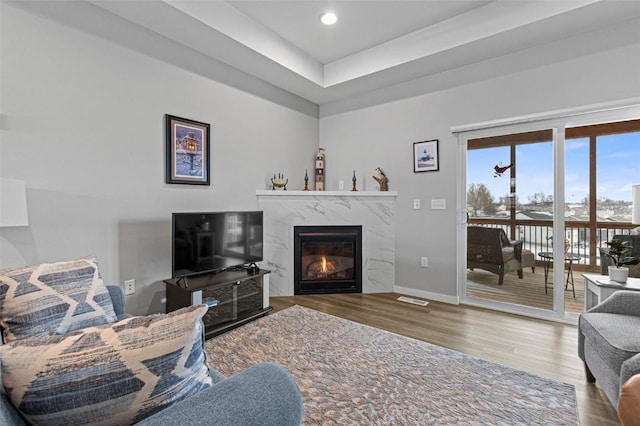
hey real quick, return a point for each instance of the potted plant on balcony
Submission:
(620, 254)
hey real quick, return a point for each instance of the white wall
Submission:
(383, 136)
(83, 125)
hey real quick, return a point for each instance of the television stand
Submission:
(234, 297)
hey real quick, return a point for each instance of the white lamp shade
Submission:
(635, 200)
(13, 203)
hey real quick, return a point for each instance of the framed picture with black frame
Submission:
(425, 156)
(187, 147)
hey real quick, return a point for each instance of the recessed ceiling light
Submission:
(328, 18)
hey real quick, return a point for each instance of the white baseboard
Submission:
(454, 300)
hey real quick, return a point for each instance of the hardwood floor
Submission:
(528, 291)
(545, 348)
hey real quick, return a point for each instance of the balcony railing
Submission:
(581, 238)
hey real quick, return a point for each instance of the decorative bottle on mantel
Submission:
(320, 170)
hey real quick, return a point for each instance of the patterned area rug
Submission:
(354, 374)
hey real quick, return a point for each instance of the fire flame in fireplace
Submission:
(323, 268)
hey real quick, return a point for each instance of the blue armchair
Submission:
(264, 394)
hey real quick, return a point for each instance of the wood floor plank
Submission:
(528, 291)
(545, 348)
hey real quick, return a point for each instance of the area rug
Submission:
(353, 374)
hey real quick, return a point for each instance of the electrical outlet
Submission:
(424, 262)
(340, 184)
(129, 287)
(416, 204)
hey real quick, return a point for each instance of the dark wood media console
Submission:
(234, 297)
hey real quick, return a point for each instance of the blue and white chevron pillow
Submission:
(114, 374)
(53, 298)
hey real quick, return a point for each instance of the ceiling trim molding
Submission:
(218, 41)
(224, 18)
(480, 23)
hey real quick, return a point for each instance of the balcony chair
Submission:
(491, 250)
(528, 260)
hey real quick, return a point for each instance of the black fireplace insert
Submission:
(327, 259)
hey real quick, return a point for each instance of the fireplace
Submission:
(327, 259)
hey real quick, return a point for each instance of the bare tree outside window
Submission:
(479, 199)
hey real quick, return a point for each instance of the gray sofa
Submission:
(609, 342)
(264, 394)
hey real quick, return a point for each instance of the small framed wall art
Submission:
(187, 151)
(425, 156)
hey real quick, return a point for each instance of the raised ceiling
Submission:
(361, 25)
(378, 50)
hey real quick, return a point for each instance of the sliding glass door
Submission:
(510, 206)
(556, 190)
(601, 166)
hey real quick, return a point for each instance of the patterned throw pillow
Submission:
(53, 298)
(114, 374)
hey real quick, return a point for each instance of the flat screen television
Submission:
(215, 241)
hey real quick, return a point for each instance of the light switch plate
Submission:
(438, 204)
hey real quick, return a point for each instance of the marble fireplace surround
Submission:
(374, 211)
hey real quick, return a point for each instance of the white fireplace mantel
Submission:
(373, 210)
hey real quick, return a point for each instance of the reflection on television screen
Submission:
(209, 242)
